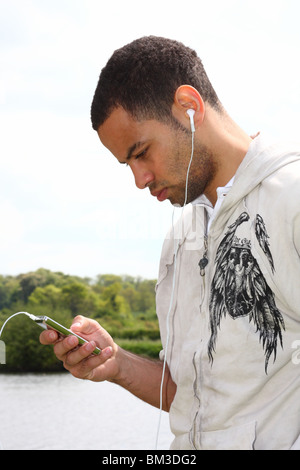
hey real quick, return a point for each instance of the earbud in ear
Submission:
(191, 113)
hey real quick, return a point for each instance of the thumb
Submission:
(84, 325)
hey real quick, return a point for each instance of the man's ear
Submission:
(187, 97)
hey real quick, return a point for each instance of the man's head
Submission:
(143, 76)
(140, 111)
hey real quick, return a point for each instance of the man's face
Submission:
(158, 155)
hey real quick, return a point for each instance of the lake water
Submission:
(59, 412)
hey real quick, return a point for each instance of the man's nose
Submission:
(142, 176)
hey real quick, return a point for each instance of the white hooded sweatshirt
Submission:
(232, 335)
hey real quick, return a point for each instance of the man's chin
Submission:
(176, 201)
(176, 204)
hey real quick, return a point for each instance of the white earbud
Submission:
(191, 113)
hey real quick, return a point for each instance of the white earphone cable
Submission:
(173, 291)
(33, 317)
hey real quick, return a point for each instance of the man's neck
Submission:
(228, 143)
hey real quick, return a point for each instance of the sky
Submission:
(65, 203)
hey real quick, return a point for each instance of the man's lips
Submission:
(160, 195)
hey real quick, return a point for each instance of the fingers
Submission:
(73, 357)
(62, 345)
(65, 346)
(49, 337)
(79, 360)
(81, 325)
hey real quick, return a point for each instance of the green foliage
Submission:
(123, 305)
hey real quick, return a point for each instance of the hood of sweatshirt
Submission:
(261, 161)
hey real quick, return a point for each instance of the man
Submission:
(228, 289)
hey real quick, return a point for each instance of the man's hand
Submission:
(138, 375)
(79, 360)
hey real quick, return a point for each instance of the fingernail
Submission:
(76, 326)
(90, 346)
(52, 335)
(107, 352)
(72, 340)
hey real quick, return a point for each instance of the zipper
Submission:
(202, 265)
(194, 426)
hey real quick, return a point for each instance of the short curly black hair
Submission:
(143, 76)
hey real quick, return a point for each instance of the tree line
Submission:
(123, 305)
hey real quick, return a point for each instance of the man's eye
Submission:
(141, 154)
